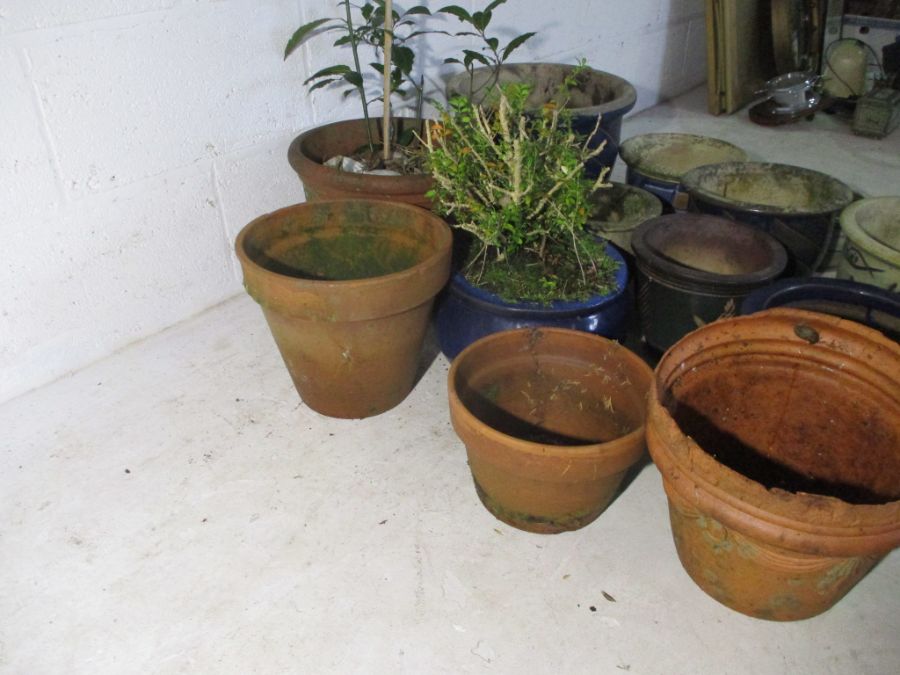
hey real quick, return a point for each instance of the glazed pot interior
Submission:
(790, 418)
(552, 394)
(712, 245)
(668, 156)
(769, 187)
(340, 241)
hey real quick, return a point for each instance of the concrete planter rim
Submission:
(631, 149)
(857, 233)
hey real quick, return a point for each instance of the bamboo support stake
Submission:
(388, 43)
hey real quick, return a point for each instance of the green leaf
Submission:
(366, 10)
(452, 60)
(458, 12)
(481, 19)
(494, 5)
(403, 58)
(378, 66)
(474, 56)
(418, 9)
(322, 83)
(327, 72)
(353, 78)
(301, 34)
(493, 43)
(514, 44)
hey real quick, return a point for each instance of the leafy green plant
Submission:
(490, 54)
(364, 25)
(514, 180)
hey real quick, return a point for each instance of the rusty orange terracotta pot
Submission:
(778, 439)
(551, 419)
(309, 150)
(347, 288)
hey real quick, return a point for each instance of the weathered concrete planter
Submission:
(797, 206)
(310, 149)
(346, 287)
(656, 162)
(694, 269)
(778, 439)
(552, 419)
(619, 209)
(871, 253)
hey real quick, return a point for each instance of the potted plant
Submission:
(373, 146)
(513, 184)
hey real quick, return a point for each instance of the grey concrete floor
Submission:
(175, 508)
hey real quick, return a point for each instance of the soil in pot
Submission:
(778, 437)
(551, 419)
(309, 151)
(797, 206)
(347, 287)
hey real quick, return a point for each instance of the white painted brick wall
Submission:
(138, 136)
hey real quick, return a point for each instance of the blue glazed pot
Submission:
(465, 313)
(863, 303)
(656, 162)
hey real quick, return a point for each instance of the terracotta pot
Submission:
(778, 439)
(551, 418)
(656, 162)
(797, 206)
(694, 269)
(347, 288)
(871, 252)
(309, 150)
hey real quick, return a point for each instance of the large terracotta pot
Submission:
(347, 288)
(778, 439)
(310, 149)
(552, 419)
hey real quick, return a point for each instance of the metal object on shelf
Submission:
(877, 113)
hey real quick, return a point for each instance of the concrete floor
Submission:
(175, 508)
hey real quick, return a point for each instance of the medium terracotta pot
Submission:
(347, 288)
(552, 418)
(778, 439)
(310, 149)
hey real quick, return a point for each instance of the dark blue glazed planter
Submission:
(465, 313)
(657, 161)
(863, 303)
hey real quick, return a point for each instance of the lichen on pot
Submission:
(778, 438)
(871, 252)
(620, 208)
(551, 419)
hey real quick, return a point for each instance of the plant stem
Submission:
(362, 91)
(388, 43)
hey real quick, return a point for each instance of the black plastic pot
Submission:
(694, 269)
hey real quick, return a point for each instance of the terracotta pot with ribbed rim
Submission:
(551, 418)
(346, 287)
(778, 439)
(311, 149)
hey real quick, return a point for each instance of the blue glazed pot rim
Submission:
(791, 290)
(478, 296)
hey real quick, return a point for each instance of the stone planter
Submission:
(551, 420)
(598, 93)
(310, 149)
(778, 439)
(346, 287)
(656, 162)
(694, 269)
(797, 206)
(871, 253)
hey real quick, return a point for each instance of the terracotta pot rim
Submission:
(631, 147)
(800, 521)
(303, 163)
(608, 449)
(690, 183)
(445, 235)
(855, 232)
